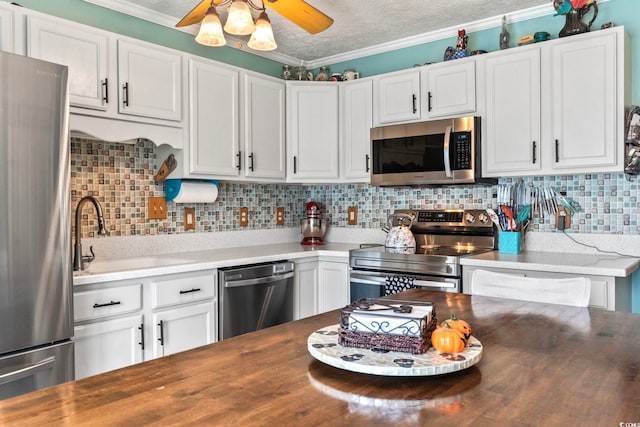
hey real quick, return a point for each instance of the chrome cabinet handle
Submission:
(106, 304)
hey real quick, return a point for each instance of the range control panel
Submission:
(448, 218)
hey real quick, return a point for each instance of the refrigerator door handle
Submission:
(27, 371)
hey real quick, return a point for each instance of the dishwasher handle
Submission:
(258, 280)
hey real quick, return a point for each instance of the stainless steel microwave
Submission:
(427, 153)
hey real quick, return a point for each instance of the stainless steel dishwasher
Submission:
(254, 297)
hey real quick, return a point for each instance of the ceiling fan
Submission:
(299, 12)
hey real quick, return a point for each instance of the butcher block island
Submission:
(542, 364)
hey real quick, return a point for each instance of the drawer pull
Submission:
(141, 328)
(190, 291)
(161, 326)
(107, 304)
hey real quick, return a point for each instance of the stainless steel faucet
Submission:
(78, 258)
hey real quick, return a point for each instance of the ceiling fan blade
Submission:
(195, 15)
(302, 14)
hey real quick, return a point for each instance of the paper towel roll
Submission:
(195, 192)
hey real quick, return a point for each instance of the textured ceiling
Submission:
(358, 24)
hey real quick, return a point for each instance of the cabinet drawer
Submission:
(171, 290)
(106, 302)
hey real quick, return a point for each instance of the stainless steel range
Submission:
(442, 237)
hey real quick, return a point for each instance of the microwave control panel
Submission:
(462, 156)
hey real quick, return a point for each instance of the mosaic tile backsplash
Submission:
(120, 176)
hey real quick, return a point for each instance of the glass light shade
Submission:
(239, 21)
(210, 33)
(262, 38)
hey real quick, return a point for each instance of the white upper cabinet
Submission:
(396, 97)
(512, 133)
(150, 81)
(556, 107)
(264, 127)
(586, 105)
(214, 124)
(85, 52)
(449, 88)
(312, 131)
(6, 29)
(356, 120)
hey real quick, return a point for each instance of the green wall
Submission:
(620, 12)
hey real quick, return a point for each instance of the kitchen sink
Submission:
(138, 263)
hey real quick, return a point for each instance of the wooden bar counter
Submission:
(542, 365)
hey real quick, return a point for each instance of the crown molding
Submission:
(132, 9)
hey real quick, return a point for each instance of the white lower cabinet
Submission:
(320, 286)
(121, 323)
(608, 292)
(108, 345)
(183, 328)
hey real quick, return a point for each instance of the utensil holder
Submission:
(509, 242)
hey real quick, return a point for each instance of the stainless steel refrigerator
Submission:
(36, 317)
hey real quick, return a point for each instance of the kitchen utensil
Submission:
(399, 234)
(509, 213)
(523, 214)
(494, 217)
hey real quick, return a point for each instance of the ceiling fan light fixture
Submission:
(239, 21)
(262, 38)
(210, 33)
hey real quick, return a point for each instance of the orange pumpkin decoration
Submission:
(459, 325)
(445, 339)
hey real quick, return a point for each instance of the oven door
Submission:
(372, 284)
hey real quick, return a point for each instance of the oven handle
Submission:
(447, 161)
(381, 280)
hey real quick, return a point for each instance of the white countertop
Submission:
(181, 262)
(592, 264)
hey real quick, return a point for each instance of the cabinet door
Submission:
(584, 92)
(356, 116)
(213, 119)
(184, 328)
(450, 88)
(396, 97)
(333, 285)
(511, 142)
(150, 81)
(264, 130)
(6, 30)
(306, 289)
(83, 50)
(312, 131)
(108, 345)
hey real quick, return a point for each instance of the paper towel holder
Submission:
(172, 186)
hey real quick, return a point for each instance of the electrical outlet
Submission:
(352, 215)
(563, 218)
(279, 216)
(244, 217)
(157, 208)
(189, 219)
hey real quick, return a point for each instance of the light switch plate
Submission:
(352, 215)
(189, 219)
(157, 208)
(244, 217)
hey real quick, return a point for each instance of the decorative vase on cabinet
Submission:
(573, 20)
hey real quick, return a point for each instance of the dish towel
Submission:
(395, 284)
